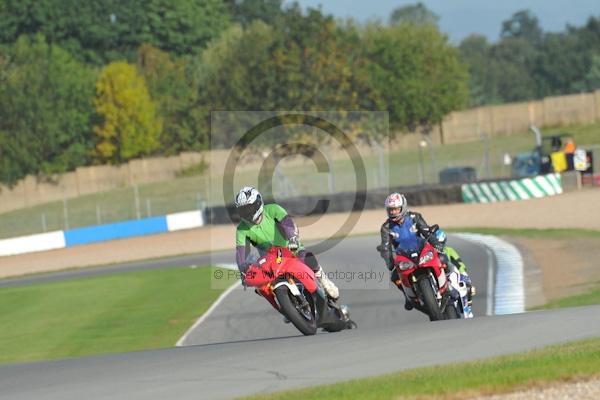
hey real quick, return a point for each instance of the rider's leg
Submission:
(456, 260)
(395, 278)
(330, 287)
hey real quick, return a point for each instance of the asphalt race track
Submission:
(244, 347)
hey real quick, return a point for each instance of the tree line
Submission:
(85, 83)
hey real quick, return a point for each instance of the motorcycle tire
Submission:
(431, 303)
(451, 312)
(286, 302)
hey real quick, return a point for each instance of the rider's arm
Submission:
(386, 248)
(421, 224)
(242, 248)
(288, 227)
(424, 230)
(284, 221)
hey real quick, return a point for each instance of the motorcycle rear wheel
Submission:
(287, 302)
(433, 308)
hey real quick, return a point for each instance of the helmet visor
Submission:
(250, 212)
(394, 212)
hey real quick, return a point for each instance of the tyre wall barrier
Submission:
(347, 201)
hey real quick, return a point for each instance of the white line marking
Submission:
(490, 283)
(212, 308)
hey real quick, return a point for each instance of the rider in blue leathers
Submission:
(407, 231)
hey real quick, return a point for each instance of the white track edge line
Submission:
(208, 312)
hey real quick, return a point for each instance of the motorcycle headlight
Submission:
(404, 265)
(426, 258)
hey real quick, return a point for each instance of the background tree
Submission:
(105, 30)
(129, 126)
(523, 24)
(417, 14)
(246, 11)
(45, 110)
(475, 49)
(174, 89)
(417, 73)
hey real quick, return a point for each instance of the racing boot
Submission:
(408, 305)
(330, 288)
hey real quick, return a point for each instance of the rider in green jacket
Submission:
(266, 225)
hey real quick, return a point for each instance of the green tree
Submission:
(45, 110)
(592, 77)
(305, 62)
(417, 14)
(512, 72)
(182, 26)
(106, 30)
(475, 53)
(175, 90)
(246, 11)
(523, 24)
(129, 125)
(417, 73)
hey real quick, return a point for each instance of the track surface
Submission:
(244, 347)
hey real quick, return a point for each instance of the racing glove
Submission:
(293, 243)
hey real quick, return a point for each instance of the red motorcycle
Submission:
(425, 283)
(292, 289)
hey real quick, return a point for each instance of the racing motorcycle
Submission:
(459, 305)
(424, 280)
(291, 287)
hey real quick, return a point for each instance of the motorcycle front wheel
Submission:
(304, 321)
(433, 308)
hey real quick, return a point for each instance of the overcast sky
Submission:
(459, 18)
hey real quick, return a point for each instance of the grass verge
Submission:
(588, 298)
(558, 233)
(571, 361)
(115, 313)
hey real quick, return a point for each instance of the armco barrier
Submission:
(92, 234)
(511, 190)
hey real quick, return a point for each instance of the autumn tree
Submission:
(129, 126)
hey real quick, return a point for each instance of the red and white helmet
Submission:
(396, 206)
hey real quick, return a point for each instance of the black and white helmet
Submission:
(249, 204)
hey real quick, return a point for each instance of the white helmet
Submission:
(249, 204)
(396, 206)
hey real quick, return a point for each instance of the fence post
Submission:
(98, 214)
(65, 213)
(136, 195)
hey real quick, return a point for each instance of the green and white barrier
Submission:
(518, 189)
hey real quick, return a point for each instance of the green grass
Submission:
(553, 233)
(588, 298)
(190, 189)
(116, 313)
(575, 360)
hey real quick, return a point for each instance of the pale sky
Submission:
(459, 18)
